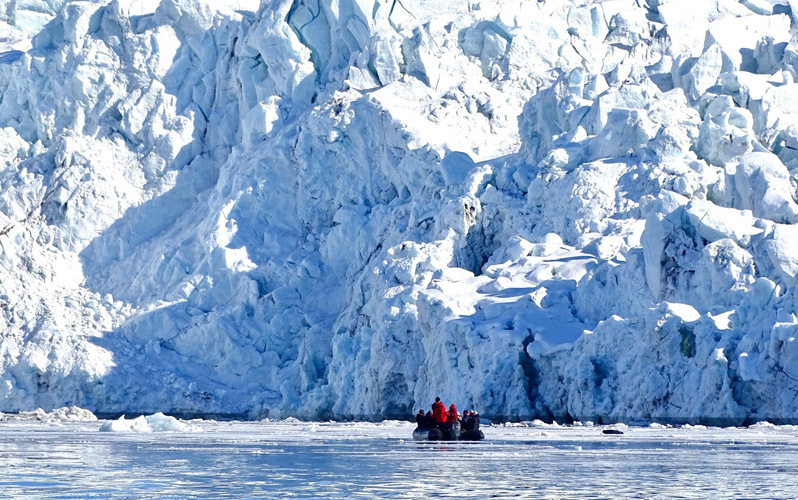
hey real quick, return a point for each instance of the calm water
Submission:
(303, 461)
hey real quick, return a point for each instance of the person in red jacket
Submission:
(453, 415)
(439, 412)
(451, 429)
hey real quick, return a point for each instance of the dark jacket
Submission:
(468, 423)
(471, 422)
(429, 422)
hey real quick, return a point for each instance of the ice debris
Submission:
(157, 422)
(57, 415)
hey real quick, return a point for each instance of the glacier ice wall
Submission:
(341, 209)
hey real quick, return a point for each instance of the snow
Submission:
(344, 209)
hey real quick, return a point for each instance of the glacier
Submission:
(344, 208)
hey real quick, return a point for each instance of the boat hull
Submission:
(476, 435)
(438, 435)
(427, 434)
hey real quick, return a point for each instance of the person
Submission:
(468, 421)
(421, 419)
(475, 417)
(451, 429)
(470, 429)
(439, 412)
(453, 415)
(429, 421)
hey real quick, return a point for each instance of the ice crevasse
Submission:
(344, 208)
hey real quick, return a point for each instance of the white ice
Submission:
(342, 209)
(157, 422)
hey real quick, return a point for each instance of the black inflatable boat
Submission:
(435, 434)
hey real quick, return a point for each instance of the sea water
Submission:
(361, 460)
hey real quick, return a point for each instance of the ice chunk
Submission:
(628, 97)
(653, 242)
(78, 19)
(737, 38)
(385, 57)
(684, 312)
(763, 186)
(260, 120)
(625, 130)
(781, 245)
(131, 8)
(725, 273)
(456, 166)
(30, 16)
(769, 54)
(714, 223)
(197, 16)
(515, 248)
(687, 21)
(704, 73)
(726, 132)
(56, 416)
(763, 291)
(775, 116)
(750, 367)
(679, 125)
(157, 422)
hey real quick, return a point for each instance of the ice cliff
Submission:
(343, 208)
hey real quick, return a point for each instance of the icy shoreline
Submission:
(176, 422)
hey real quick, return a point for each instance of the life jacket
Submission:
(439, 412)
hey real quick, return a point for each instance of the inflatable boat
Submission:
(475, 435)
(427, 434)
(435, 434)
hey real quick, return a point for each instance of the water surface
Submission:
(326, 460)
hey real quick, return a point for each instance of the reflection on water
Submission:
(282, 460)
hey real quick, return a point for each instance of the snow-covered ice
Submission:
(293, 459)
(58, 415)
(157, 422)
(341, 209)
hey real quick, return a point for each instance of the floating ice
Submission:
(64, 414)
(157, 422)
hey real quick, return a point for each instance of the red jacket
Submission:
(453, 415)
(439, 412)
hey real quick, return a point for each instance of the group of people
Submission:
(448, 421)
